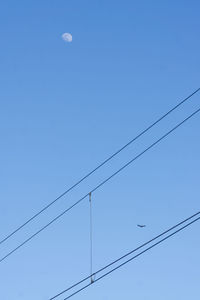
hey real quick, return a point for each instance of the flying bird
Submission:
(141, 226)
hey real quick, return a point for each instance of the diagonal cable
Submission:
(132, 258)
(98, 167)
(100, 185)
(126, 255)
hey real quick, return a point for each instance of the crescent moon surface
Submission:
(67, 37)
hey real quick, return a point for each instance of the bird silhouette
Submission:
(141, 226)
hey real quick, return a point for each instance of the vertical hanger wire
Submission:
(91, 240)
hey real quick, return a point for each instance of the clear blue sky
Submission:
(64, 108)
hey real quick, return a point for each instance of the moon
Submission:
(67, 37)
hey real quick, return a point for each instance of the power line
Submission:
(132, 258)
(100, 185)
(98, 167)
(127, 254)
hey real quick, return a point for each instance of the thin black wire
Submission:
(91, 238)
(101, 184)
(98, 167)
(127, 254)
(132, 258)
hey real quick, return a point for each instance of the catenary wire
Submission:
(91, 237)
(98, 186)
(134, 257)
(98, 167)
(125, 255)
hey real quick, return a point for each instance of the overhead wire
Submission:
(100, 185)
(125, 255)
(96, 168)
(130, 259)
(91, 238)
(134, 257)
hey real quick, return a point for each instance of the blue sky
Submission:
(64, 108)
